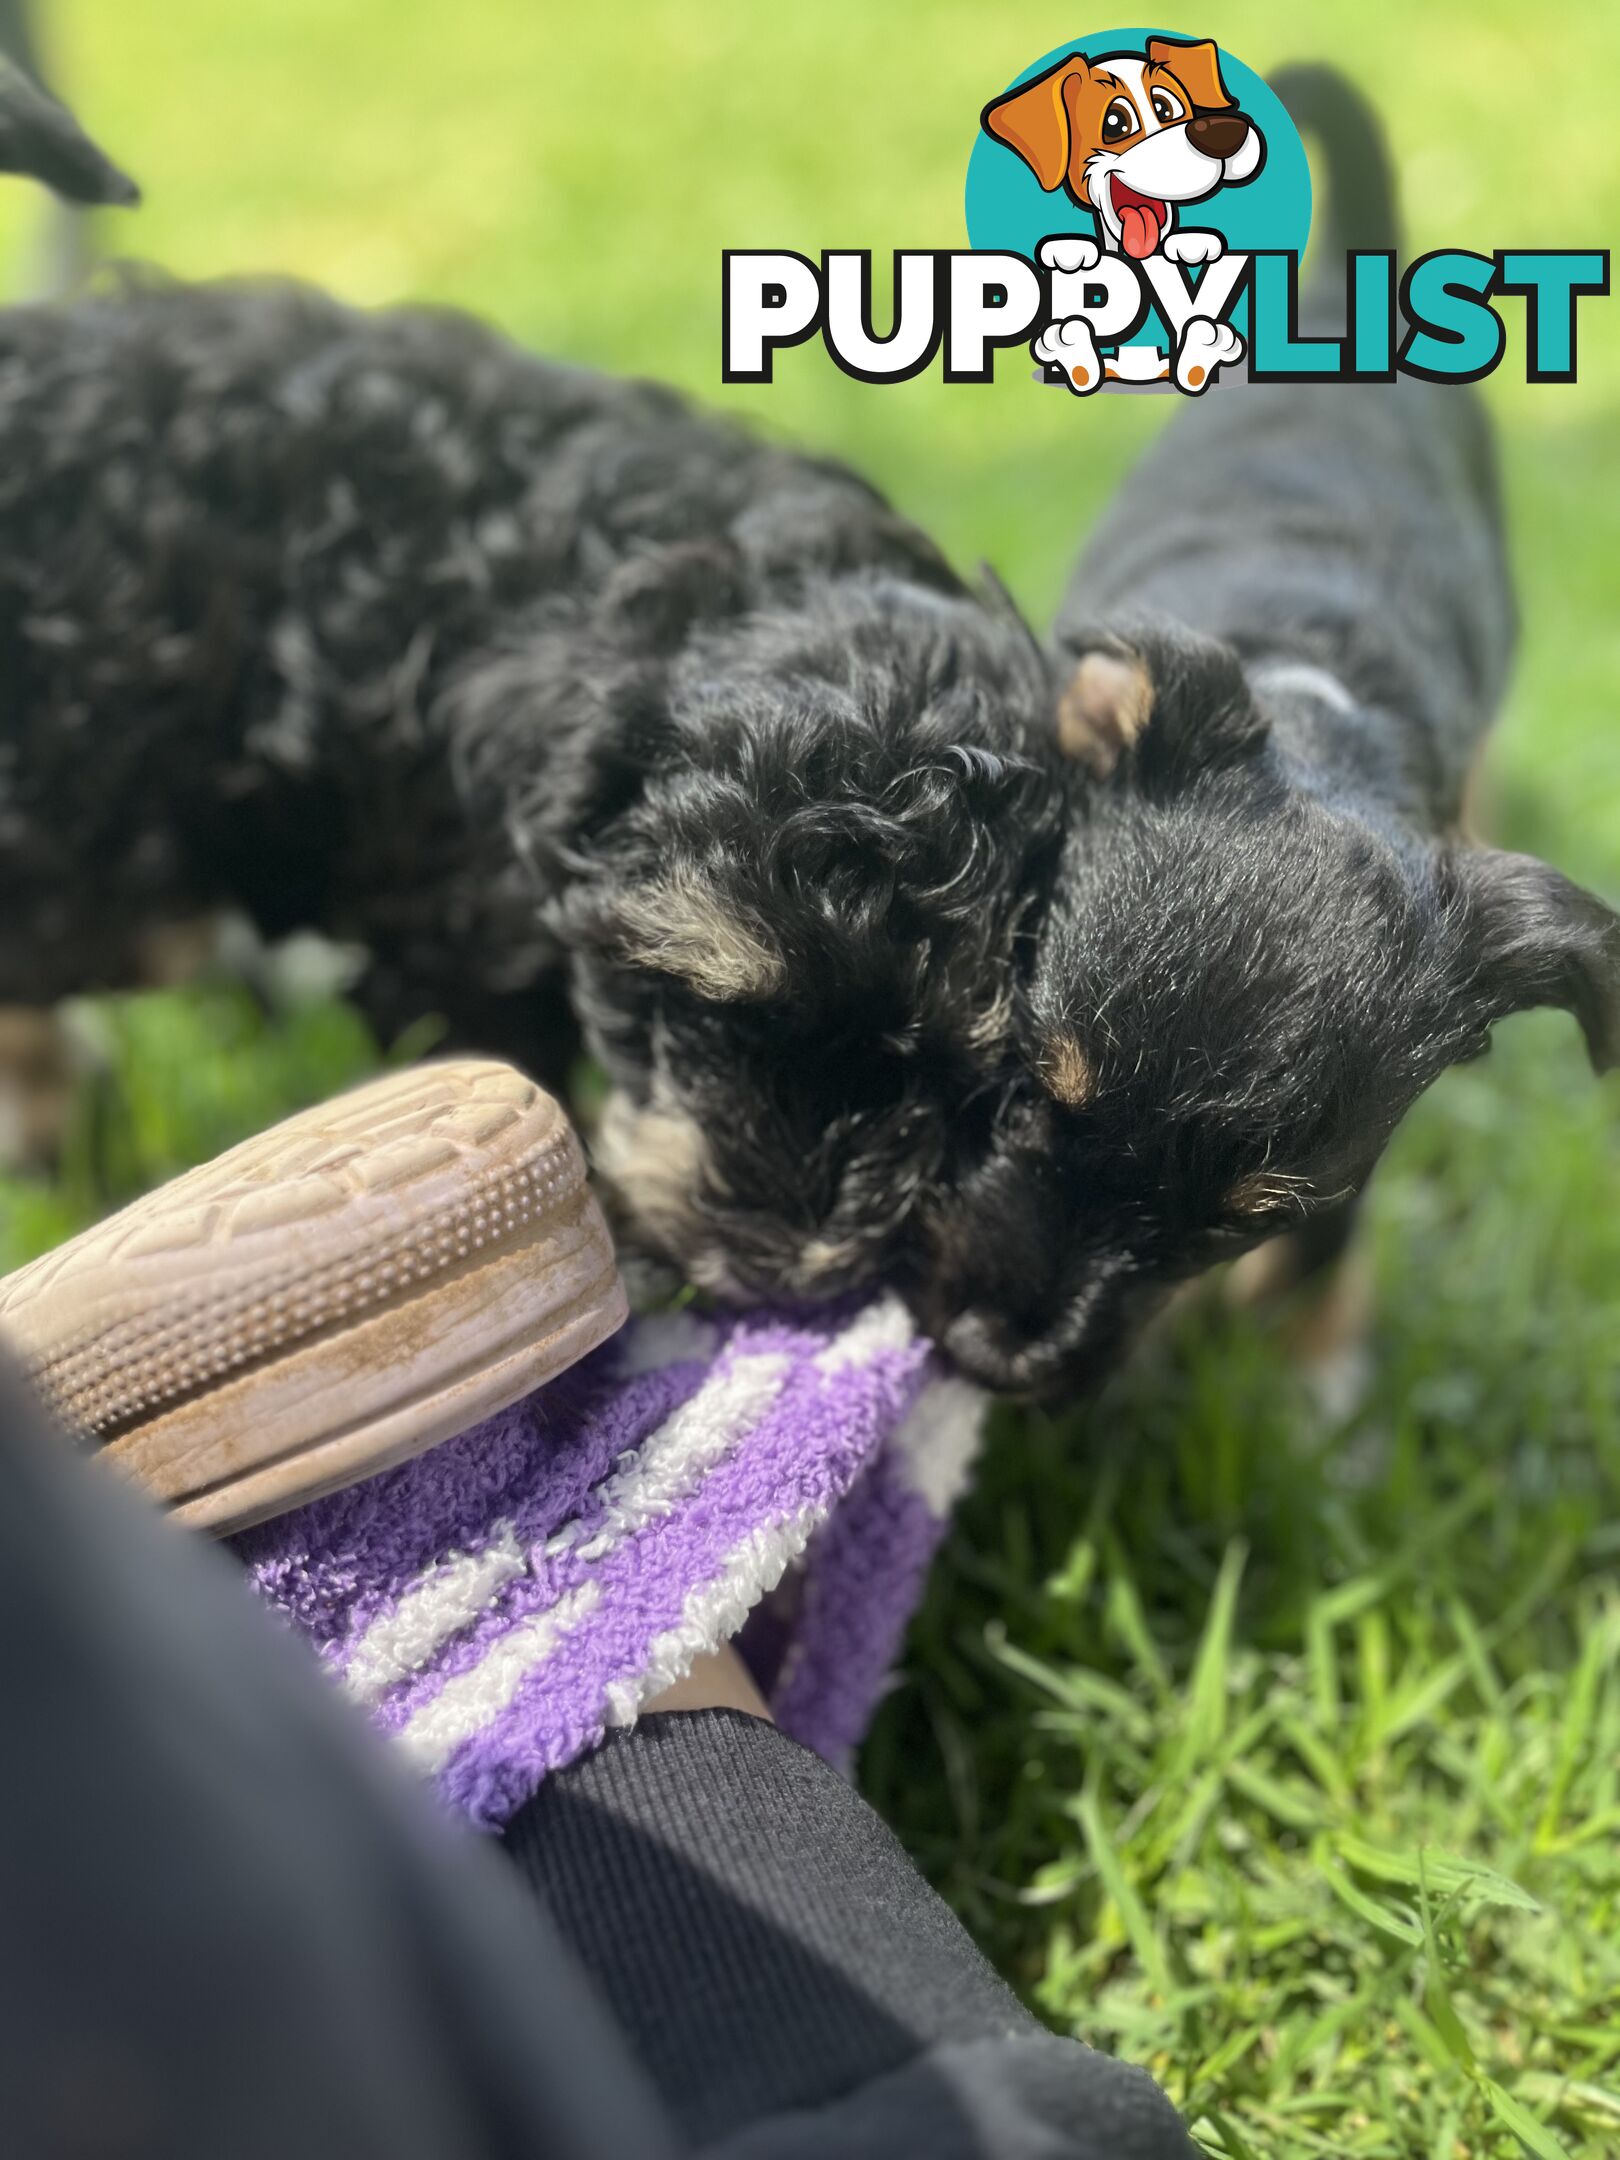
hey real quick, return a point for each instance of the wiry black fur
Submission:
(1268, 933)
(555, 694)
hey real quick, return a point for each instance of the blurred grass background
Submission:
(1278, 1751)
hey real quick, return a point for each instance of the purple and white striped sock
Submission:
(497, 1603)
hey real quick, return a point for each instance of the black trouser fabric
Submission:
(704, 1860)
(231, 1925)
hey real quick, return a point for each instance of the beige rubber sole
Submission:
(331, 1298)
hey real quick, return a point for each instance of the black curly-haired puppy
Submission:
(510, 672)
(1026, 979)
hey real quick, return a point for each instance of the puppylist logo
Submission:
(1138, 203)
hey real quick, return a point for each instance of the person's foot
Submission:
(331, 1297)
(499, 1605)
(347, 1339)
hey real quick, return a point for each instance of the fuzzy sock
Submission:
(499, 1602)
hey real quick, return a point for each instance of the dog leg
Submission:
(1070, 346)
(36, 1086)
(1205, 346)
(1322, 1284)
(1068, 342)
(1192, 247)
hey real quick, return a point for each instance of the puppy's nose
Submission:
(976, 1347)
(1218, 134)
(988, 1348)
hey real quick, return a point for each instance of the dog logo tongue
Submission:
(1141, 219)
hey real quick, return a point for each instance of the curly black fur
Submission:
(914, 952)
(500, 668)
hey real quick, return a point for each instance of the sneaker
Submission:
(328, 1299)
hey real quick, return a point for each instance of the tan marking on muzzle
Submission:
(657, 1158)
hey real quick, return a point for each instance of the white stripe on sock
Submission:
(650, 1482)
(713, 1611)
(670, 1463)
(451, 1594)
(939, 1441)
(884, 1325)
(474, 1699)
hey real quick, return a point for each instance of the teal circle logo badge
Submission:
(1134, 165)
(1138, 209)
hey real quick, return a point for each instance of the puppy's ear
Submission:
(1196, 64)
(1104, 708)
(1537, 939)
(1035, 119)
(40, 137)
(1173, 705)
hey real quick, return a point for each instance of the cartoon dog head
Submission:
(1131, 135)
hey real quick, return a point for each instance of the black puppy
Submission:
(539, 684)
(1268, 933)
(527, 680)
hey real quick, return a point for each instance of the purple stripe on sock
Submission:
(805, 1455)
(817, 1457)
(334, 1566)
(863, 1576)
(816, 1435)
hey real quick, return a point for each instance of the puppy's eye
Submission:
(1119, 121)
(1166, 107)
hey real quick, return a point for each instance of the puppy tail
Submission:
(1361, 206)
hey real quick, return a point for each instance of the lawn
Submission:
(1279, 1753)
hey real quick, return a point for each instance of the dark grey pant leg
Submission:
(229, 1924)
(791, 1982)
(229, 1927)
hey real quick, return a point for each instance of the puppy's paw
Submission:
(38, 1063)
(1205, 346)
(1069, 252)
(1070, 345)
(1192, 247)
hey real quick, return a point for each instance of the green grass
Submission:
(176, 1078)
(1215, 1688)
(1281, 1756)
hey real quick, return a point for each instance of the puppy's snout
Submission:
(1218, 135)
(1011, 1354)
(1059, 1345)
